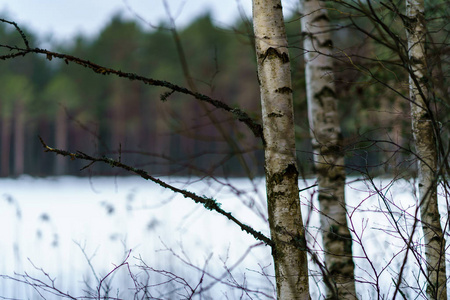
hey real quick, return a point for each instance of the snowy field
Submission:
(79, 231)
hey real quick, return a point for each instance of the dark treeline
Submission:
(73, 108)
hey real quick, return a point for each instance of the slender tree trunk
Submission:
(19, 138)
(118, 116)
(285, 220)
(327, 144)
(425, 141)
(6, 146)
(61, 133)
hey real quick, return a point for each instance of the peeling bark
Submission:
(286, 226)
(328, 155)
(425, 143)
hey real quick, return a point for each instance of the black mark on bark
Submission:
(284, 90)
(275, 115)
(272, 53)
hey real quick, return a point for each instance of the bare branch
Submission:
(239, 114)
(208, 203)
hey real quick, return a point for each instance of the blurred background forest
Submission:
(75, 109)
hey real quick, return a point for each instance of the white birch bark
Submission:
(286, 226)
(425, 143)
(328, 155)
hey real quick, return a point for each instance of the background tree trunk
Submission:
(6, 145)
(425, 142)
(61, 133)
(286, 226)
(327, 146)
(19, 137)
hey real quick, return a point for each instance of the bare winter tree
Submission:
(327, 145)
(408, 55)
(424, 128)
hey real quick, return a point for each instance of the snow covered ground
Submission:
(79, 229)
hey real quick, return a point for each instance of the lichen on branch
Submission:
(208, 202)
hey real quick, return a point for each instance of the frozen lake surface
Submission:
(78, 230)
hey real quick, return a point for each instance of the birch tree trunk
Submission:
(285, 220)
(425, 142)
(327, 146)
